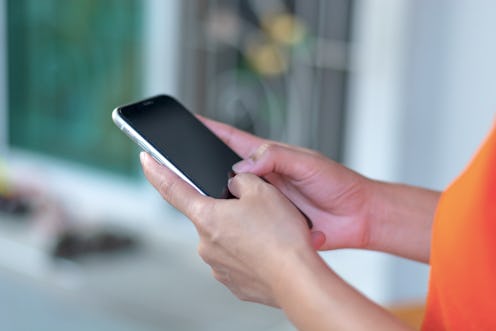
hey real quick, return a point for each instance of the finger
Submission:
(277, 158)
(176, 191)
(241, 142)
(242, 183)
(318, 239)
(245, 183)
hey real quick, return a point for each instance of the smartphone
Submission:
(172, 135)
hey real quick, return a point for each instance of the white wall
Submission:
(162, 40)
(421, 120)
(468, 98)
(450, 103)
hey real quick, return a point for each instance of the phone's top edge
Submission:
(135, 136)
(116, 116)
(131, 104)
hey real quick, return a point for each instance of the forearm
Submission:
(401, 218)
(315, 298)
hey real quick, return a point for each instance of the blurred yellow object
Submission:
(411, 314)
(4, 179)
(267, 58)
(284, 28)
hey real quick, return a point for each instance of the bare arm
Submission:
(402, 216)
(315, 298)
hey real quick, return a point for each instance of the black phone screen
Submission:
(183, 140)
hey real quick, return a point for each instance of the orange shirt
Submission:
(462, 290)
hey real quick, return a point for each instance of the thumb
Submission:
(286, 160)
(173, 189)
(241, 184)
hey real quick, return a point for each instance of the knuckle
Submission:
(217, 276)
(207, 229)
(242, 296)
(265, 149)
(201, 249)
(204, 253)
(214, 236)
(222, 276)
(210, 221)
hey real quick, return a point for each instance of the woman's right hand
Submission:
(347, 209)
(335, 198)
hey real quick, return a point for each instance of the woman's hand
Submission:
(347, 209)
(333, 197)
(247, 241)
(259, 246)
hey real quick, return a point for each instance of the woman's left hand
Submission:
(248, 241)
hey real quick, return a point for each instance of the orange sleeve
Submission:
(462, 289)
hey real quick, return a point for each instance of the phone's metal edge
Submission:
(147, 147)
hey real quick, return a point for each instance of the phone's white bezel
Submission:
(147, 147)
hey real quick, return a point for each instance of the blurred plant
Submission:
(265, 48)
(270, 55)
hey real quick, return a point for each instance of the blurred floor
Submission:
(26, 307)
(160, 286)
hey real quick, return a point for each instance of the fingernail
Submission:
(243, 166)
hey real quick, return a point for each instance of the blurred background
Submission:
(399, 90)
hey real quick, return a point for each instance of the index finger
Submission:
(241, 142)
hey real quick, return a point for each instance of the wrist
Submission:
(294, 269)
(400, 219)
(379, 213)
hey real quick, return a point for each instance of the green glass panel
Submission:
(70, 62)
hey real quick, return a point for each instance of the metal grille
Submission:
(276, 68)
